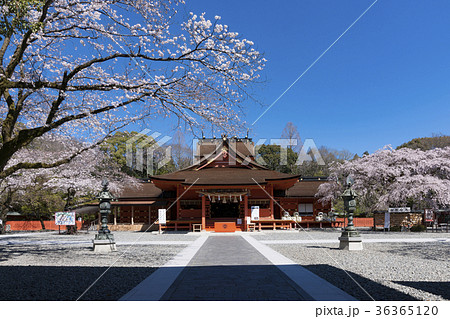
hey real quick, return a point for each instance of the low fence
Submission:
(29, 225)
(358, 221)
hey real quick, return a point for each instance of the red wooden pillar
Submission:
(178, 204)
(271, 201)
(149, 215)
(203, 212)
(246, 213)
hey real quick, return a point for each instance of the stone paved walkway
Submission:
(229, 268)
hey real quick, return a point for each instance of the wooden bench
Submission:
(178, 224)
(274, 223)
(251, 226)
(196, 227)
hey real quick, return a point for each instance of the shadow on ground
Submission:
(437, 288)
(323, 247)
(234, 282)
(48, 251)
(68, 283)
(428, 251)
(266, 282)
(351, 283)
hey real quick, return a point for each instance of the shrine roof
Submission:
(144, 190)
(305, 187)
(240, 175)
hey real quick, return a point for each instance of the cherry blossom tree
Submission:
(403, 177)
(84, 174)
(87, 68)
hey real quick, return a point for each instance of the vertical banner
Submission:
(255, 212)
(429, 215)
(387, 220)
(162, 216)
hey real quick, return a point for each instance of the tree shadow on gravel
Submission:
(340, 279)
(3, 240)
(37, 283)
(427, 251)
(11, 252)
(436, 288)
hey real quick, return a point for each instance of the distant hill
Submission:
(427, 143)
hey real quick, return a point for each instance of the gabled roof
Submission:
(225, 166)
(224, 176)
(206, 146)
(239, 154)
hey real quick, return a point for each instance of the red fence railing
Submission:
(358, 221)
(17, 225)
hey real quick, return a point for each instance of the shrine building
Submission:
(225, 190)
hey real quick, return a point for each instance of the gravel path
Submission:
(385, 271)
(38, 268)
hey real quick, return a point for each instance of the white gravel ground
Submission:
(382, 271)
(48, 266)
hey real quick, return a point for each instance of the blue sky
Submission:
(385, 81)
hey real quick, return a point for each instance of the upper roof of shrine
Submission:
(225, 161)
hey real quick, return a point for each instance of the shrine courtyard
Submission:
(267, 265)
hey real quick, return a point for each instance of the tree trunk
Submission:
(3, 218)
(4, 209)
(42, 222)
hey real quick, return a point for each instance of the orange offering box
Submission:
(225, 227)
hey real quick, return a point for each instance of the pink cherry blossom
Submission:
(389, 177)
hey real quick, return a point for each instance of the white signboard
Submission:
(249, 220)
(255, 212)
(429, 215)
(65, 218)
(162, 216)
(387, 220)
(400, 210)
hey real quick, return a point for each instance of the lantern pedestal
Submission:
(104, 242)
(350, 240)
(104, 245)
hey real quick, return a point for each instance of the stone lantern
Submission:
(104, 240)
(350, 238)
